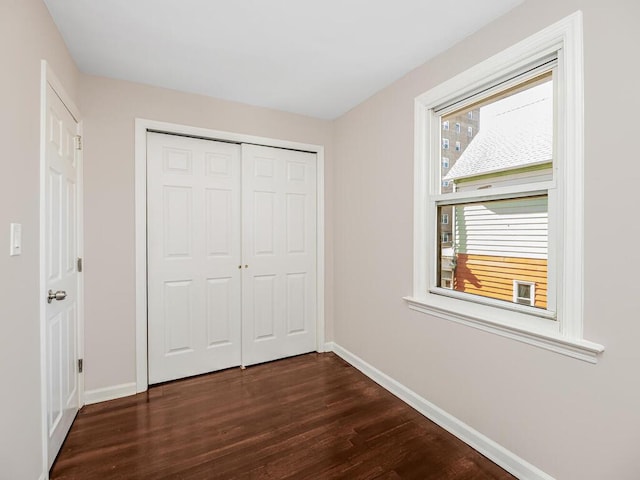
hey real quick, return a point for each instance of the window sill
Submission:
(549, 340)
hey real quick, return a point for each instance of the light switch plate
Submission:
(15, 243)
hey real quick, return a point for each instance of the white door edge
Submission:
(142, 126)
(49, 78)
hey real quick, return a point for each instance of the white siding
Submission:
(505, 180)
(508, 228)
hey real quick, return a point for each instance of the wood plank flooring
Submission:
(307, 417)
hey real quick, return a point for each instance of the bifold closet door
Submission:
(231, 255)
(279, 253)
(194, 255)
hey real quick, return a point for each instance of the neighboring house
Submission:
(500, 247)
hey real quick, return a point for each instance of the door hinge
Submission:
(79, 264)
(77, 141)
(80, 365)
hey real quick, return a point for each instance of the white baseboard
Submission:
(109, 393)
(487, 447)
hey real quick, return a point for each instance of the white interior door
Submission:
(194, 275)
(61, 231)
(279, 253)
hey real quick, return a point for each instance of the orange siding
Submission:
(493, 276)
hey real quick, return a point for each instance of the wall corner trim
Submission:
(109, 393)
(501, 456)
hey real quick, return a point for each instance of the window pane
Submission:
(524, 291)
(492, 244)
(506, 139)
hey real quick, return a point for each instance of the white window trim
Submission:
(565, 334)
(532, 298)
(445, 219)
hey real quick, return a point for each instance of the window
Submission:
(446, 238)
(447, 279)
(445, 164)
(516, 202)
(445, 183)
(444, 219)
(445, 143)
(445, 126)
(524, 293)
(457, 127)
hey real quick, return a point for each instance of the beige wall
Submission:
(571, 419)
(27, 35)
(109, 108)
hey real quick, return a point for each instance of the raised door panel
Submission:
(54, 364)
(219, 222)
(264, 304)
(178, 317)
(222, 312)
(296, 222)
(297, 296)
(264, 223)
(176, 221)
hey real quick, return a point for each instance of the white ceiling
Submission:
(317, 58)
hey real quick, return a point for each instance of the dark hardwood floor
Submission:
(307, 417)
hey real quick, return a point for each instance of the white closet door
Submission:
(194, 280)
(279, 253)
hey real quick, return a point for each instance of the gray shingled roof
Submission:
(515, 138)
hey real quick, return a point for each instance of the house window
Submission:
(457, 127)
(469, 131)
(445, 183)
(516, 203)
(445, 143)
(446, 238)
(444, 219)
(445, 164)
(445, 126)
(524, 293)
(447, 279)
(502, 182)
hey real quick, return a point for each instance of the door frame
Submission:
(49, 78)
(142, 126)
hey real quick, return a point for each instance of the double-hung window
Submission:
(513, 261)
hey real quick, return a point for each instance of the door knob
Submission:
(59, 295)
